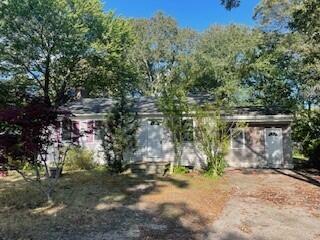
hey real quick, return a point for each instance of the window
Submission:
(70, 130)
(155, 122)
(98, 130)
(273, 134)
(237, 139)
(66, 130)
(187, 134)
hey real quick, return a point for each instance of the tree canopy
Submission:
(51, 48)
(159, 50)
(56, 45)
(218, 60)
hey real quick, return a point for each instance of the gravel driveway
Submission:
(270, 204)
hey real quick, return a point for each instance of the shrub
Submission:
(180, 170)
(118, 133)
(213, 135)
(216, 166)
(306, 131)
(79, 159)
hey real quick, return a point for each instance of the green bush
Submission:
(306, 132)
(180, 170)
(79, 159)
(216, 166)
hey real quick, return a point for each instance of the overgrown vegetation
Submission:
(118, 134)
(79, 159)
(28, 139)
(173, 103)
(180, 170)
(274, 65)
(307, 134)
(213, 136)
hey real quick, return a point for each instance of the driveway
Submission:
(270, 204)
(93, 205)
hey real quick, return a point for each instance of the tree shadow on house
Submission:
(96, 205)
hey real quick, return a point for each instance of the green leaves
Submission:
(218, 61)
(288, 62)
(160, 49)
(307, 133)
(306, 19)
(213, 135)
(62, 44)
(274, 15)
(119, 133)
(270, 72)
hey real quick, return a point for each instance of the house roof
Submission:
(149, 106)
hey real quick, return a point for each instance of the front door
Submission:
(274, 147)
(155, 138)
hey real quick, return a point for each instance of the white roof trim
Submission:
(277, 118)
(259, 118)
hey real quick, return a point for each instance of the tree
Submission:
(13, 92)
(271, 72)
(305, 21)
(159, 49)
(27, 135)
(174, 105)
(291, 50)
(118, 133)
(213, 135)
(60, 44)
(275, 15)
(307, 133)
(217, 62)
(291, 59)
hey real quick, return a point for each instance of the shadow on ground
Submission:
(302, 175)
(96, 205)
(308, 175)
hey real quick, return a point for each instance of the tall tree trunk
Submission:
(47, 80)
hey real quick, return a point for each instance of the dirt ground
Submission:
(96, 206)
(270, 204)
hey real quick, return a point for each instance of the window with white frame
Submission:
(70, 130)
(237, 138)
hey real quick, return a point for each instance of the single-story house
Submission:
(265, 142)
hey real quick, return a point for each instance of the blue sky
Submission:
(197, 14)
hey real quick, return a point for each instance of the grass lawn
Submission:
(96, 205)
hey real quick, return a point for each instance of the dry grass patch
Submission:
(94, 204)
(205, 196)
